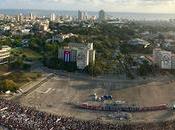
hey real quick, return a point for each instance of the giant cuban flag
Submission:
(66, 56)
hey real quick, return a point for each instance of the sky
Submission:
(139, 6)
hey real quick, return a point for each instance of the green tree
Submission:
(9, 85)
(145, 69)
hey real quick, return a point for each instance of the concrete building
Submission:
(102, 15)
(82, 15)
(173, 61)
(62, 37)
(82, 54)
(20, 17)
(31, 16)
(4, 54)
(164, 59)
(25, 31)
(43, 26)
(138, 41)
(52, 17)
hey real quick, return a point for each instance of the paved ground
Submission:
(57, 95)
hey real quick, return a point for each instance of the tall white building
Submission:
(20, 17)
(82, 15)
(31, 16)
(102, 15)
(4, 54)
(52, 17)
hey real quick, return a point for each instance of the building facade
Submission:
(82, 54)
(52, 17)
(164, 59)
(31, 16)
(4, 54)
(82, 15)
(173, 61)
(102, 15)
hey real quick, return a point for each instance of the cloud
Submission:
(165, 6)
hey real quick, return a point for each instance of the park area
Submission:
(14, 80)
(18, 71)
(27, 53)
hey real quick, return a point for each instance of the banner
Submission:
(66, 56)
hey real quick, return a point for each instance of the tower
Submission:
(102, 15)
(52, 17)
(31, 16)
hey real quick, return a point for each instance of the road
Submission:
(105, 79)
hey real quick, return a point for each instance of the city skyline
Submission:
(139, 6)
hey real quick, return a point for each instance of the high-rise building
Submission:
(44, 27)
(17, 18)
(31, 16)
(1, 16)
(20, 17)
(52, 17)
(4, 54)
(102, 15)
(85, 15)
(82, 15)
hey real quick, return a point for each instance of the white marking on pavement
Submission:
(48, 90)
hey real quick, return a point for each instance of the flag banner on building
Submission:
(166, 60)
(66, 56)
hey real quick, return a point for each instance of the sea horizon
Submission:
(122, 15)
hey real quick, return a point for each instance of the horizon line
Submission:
(87, 11)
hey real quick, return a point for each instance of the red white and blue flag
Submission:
(66, 56)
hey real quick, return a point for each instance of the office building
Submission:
(20, 17)
(31, 16)
(4, 54)
(164, 59)
(52, 17)
(82, 15)
(102, 15)
(139, 42)
(82, 54)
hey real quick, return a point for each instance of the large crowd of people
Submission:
(16, 116)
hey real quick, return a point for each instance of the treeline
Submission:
(8, 85)
(107, 38)
(14, 80)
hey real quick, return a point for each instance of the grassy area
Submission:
(30, 54)
(3, 69)
(21, 78)
(33, 55)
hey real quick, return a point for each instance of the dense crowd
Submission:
(15, 116)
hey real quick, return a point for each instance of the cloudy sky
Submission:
(148, 6)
